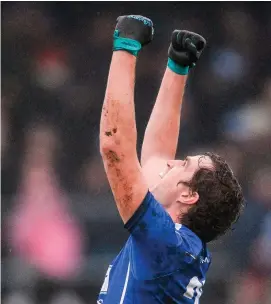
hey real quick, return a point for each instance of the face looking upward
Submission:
(173, 187)
(202, 193)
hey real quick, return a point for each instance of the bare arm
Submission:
(118, 136)
(162, 132)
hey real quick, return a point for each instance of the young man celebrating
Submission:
(171, 208)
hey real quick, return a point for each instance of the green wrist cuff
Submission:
(125, 44)
(176, 68)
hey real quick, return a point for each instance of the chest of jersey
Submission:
(122, 283)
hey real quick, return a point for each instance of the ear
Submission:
(188, 197)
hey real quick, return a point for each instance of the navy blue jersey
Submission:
(161, 262)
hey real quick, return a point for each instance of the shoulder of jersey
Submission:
(193, 244)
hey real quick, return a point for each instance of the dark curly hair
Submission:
(220, 203)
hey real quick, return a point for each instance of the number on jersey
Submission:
(194, 288)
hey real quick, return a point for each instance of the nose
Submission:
(173, 163)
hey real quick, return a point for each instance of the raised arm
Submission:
(161, 136)
(162, 132)
(118, 133)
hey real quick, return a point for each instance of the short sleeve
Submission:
(157, 248)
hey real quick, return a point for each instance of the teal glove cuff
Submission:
(176, 68)
(125, 44)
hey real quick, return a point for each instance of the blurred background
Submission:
(60, 227)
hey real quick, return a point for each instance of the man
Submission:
(171, 208)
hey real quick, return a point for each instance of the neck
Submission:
(175, 209)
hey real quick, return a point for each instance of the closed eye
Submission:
(186, 161)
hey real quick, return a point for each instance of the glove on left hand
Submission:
(186, 48)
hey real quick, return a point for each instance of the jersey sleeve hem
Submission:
(139, 213)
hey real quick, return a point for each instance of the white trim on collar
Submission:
(178, 226)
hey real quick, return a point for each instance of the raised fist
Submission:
(186, 47)
(135, 27)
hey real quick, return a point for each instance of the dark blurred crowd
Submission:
(59, 222)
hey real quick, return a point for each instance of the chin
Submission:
(161, 195)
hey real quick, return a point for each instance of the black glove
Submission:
(132, 32)
(185, 48)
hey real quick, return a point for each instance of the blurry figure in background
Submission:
(17, 298)
(66, 298)
(51, 69)
(43, 232)
(251, 122)
(255, 284)
(92, 176)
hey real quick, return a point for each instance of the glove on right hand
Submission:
(135, 27)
